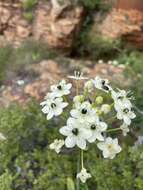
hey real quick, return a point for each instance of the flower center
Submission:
(126, 110)
(59, 87)
(53, 105)
(93, 127)
(84, 111)
(104, 86)
(75, 131)
(110, 147)
(120, 98)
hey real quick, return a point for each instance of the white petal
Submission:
(45, 109)
(66, 131)
(127, 120)
(50, 115)
(101, 145)
(99, 136)
(58, 111)
(74, 113)
(81, 143)
(70, 142)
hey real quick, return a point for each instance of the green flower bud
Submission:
(99, 100)
(78, 99)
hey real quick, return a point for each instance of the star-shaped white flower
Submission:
(57, 145)
(110, 147)
(83, 175)
(84, 112)
(97, 128)
(53, 107)
(61, 89)
(125, 113)
(125, 129)
(120, 98)
(102, 84)
(75, 133)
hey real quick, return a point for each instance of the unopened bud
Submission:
(99, 100)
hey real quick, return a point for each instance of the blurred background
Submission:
(42, 41)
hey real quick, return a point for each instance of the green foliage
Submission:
(134, 73)
(93, 46)
(27, 163)
(6, 181)
(95, 4)
(70, 184)
(29, 52)
(5, 53)
(28, 16)
(28, 5)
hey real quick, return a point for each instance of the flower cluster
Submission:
(93, 111)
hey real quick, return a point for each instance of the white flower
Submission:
(84, 112)
(76, 134)
(109, 147)
(83, 175)
(2, 137)
(78, 76)
(57, 145)
(125, 129)
(102, 84)
(125, 114)
(53, 107)
(105, 108)
(97, 128)
(120, 98)
(61, 89)
(89, 86)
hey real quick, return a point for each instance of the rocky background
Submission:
(59, 26)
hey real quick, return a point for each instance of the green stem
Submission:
(82, 165)
(111, 130)
(78, 169)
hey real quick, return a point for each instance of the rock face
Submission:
(122, 23)
(55, 24)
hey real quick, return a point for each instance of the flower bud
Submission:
(89, 86)
(99, 100)
(78, 99)
(105, 108)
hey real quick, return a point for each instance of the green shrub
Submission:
(5, 54)
(28, 16)
(96, 4)
(28, 5)
(6, 181)
(27, 163)
(134, 72)
(29, 52)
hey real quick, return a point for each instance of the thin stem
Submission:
(111, 130)
(78, 169)
(82, 165)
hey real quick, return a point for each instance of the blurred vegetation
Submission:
(29, 6)
(134, 72)
(27, 163)
(14, 59)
